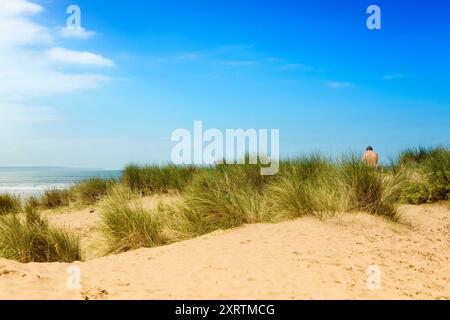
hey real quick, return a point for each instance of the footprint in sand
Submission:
(4, 271)
(94, 294)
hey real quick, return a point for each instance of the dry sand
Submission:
(302, 259)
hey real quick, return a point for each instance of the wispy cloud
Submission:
(189, 56)
(20, 116)
(236, 55)
(33, 65)
(293, 67)
(242, 56)
(78, 57)
(283, 66)
(18, 7)
(337, 84)
(239, 63)
(394, 76)
(16, 27)
(233, 48)
(229, 55)
(76, 33)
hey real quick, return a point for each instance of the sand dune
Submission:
(302, 259)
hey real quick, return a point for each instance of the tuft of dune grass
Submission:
(314, 185)
(428, 176)
(220, 198)
(33, 240)
(306, 186)
(55, 198)
(83, 193)
(415, 155)
(157, 179)
(90, 191)
(126, 225)
(367, 189)
(9, 204)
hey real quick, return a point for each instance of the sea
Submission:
(26, 182)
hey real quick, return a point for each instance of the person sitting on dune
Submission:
(370, 157)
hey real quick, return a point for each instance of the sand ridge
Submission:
(306, 258)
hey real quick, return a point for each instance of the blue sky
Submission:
(141, 69)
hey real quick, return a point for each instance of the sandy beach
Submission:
(224, 150)
(307, 258)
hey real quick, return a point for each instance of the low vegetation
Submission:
(428, 175)
(83, 193)
(157, 179)
(9, 204)
(127, 225)
(31, 239)
(222, 197)
(306, 186)
(55, 198)
(369, 190)
(90, 191)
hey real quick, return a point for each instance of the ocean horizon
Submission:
(31, 181)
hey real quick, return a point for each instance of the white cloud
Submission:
(29, 67)
(18, 7)
(337, 84)
(42, 81)
(16, 28)
(25, 74)
(78, 57)
(76, 33)
(32, 65)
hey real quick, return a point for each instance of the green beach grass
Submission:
(33, 240)
(225, 196)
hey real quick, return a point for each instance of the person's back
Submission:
(370, 157)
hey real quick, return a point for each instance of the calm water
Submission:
(34, 181)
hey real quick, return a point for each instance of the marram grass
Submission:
(428, 175)
(228, 196)
(127, 225)
(309, 185)
(222, 197)
(31, 239)
(157, 179)
(9, 204)
(90, 191)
